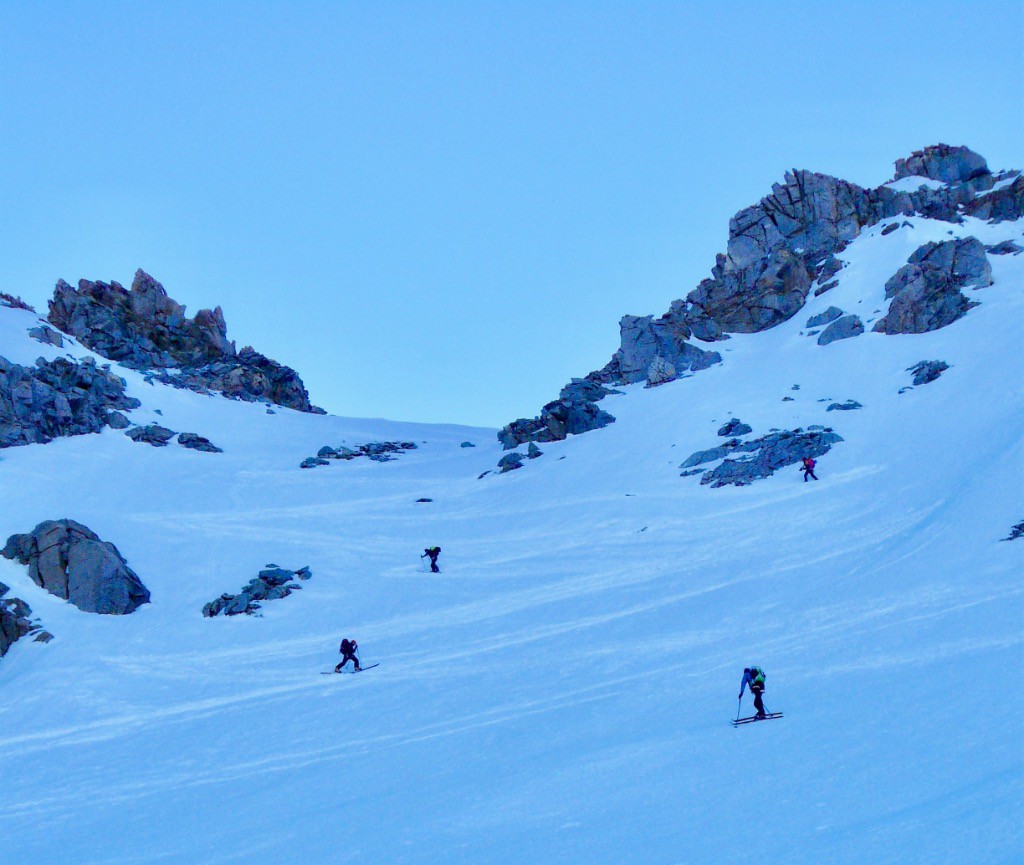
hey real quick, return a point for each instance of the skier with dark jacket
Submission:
(432, 553)
(348, 651)
(753, 677)
(809, 465)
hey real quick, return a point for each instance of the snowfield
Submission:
(561, 692)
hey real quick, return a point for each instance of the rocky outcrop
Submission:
(943, 163)
(57, 398)
(999, 205)
(380, 452)
(574, 412)
(767, 455)
(778, 249)
(71, 562)
(927, 371)
(272, 583)
(144, 329)
(849, 405)
(926, 292)
(842, 328)
(14, 302)
(15, 622)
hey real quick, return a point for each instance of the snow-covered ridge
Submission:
(781, 251)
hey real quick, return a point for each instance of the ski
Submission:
(738, 721)
(349, 672)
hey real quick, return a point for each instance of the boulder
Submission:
(532, 452)
(829, 315)
(152, 434)
(116, 420)
(196, 442)
(47, 336)
(71, 562)
(849, 405)
(943, 163)
(313, 462)
(1007, 247)
(511, 462)
(926, 292)
(841, 328)
(467, 445)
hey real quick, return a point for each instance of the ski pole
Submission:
(739, 706)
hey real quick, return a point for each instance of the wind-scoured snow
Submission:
(561, 692)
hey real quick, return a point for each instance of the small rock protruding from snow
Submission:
(829, 315)
(734, 427)
(926, 371)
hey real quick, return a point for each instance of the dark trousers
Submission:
(758, 702)
(345, 659)
(811, 473)
(433, 566)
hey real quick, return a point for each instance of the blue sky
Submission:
(439, 211)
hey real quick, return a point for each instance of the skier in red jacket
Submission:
(809, 465)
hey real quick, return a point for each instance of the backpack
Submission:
(757, 677)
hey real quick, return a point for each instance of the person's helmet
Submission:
(746, 669)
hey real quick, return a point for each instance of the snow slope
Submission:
(561, 691)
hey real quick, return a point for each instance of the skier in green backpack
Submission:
(754, 678)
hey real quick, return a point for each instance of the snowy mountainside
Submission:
(561, 691)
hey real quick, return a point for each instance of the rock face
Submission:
(145, 329)
(842, 328)
(272, 583)
(57, 398)
(926, 292)
(1016, 532)
(999, 205)
(777, 250)
(71, 562)
(769, 453)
